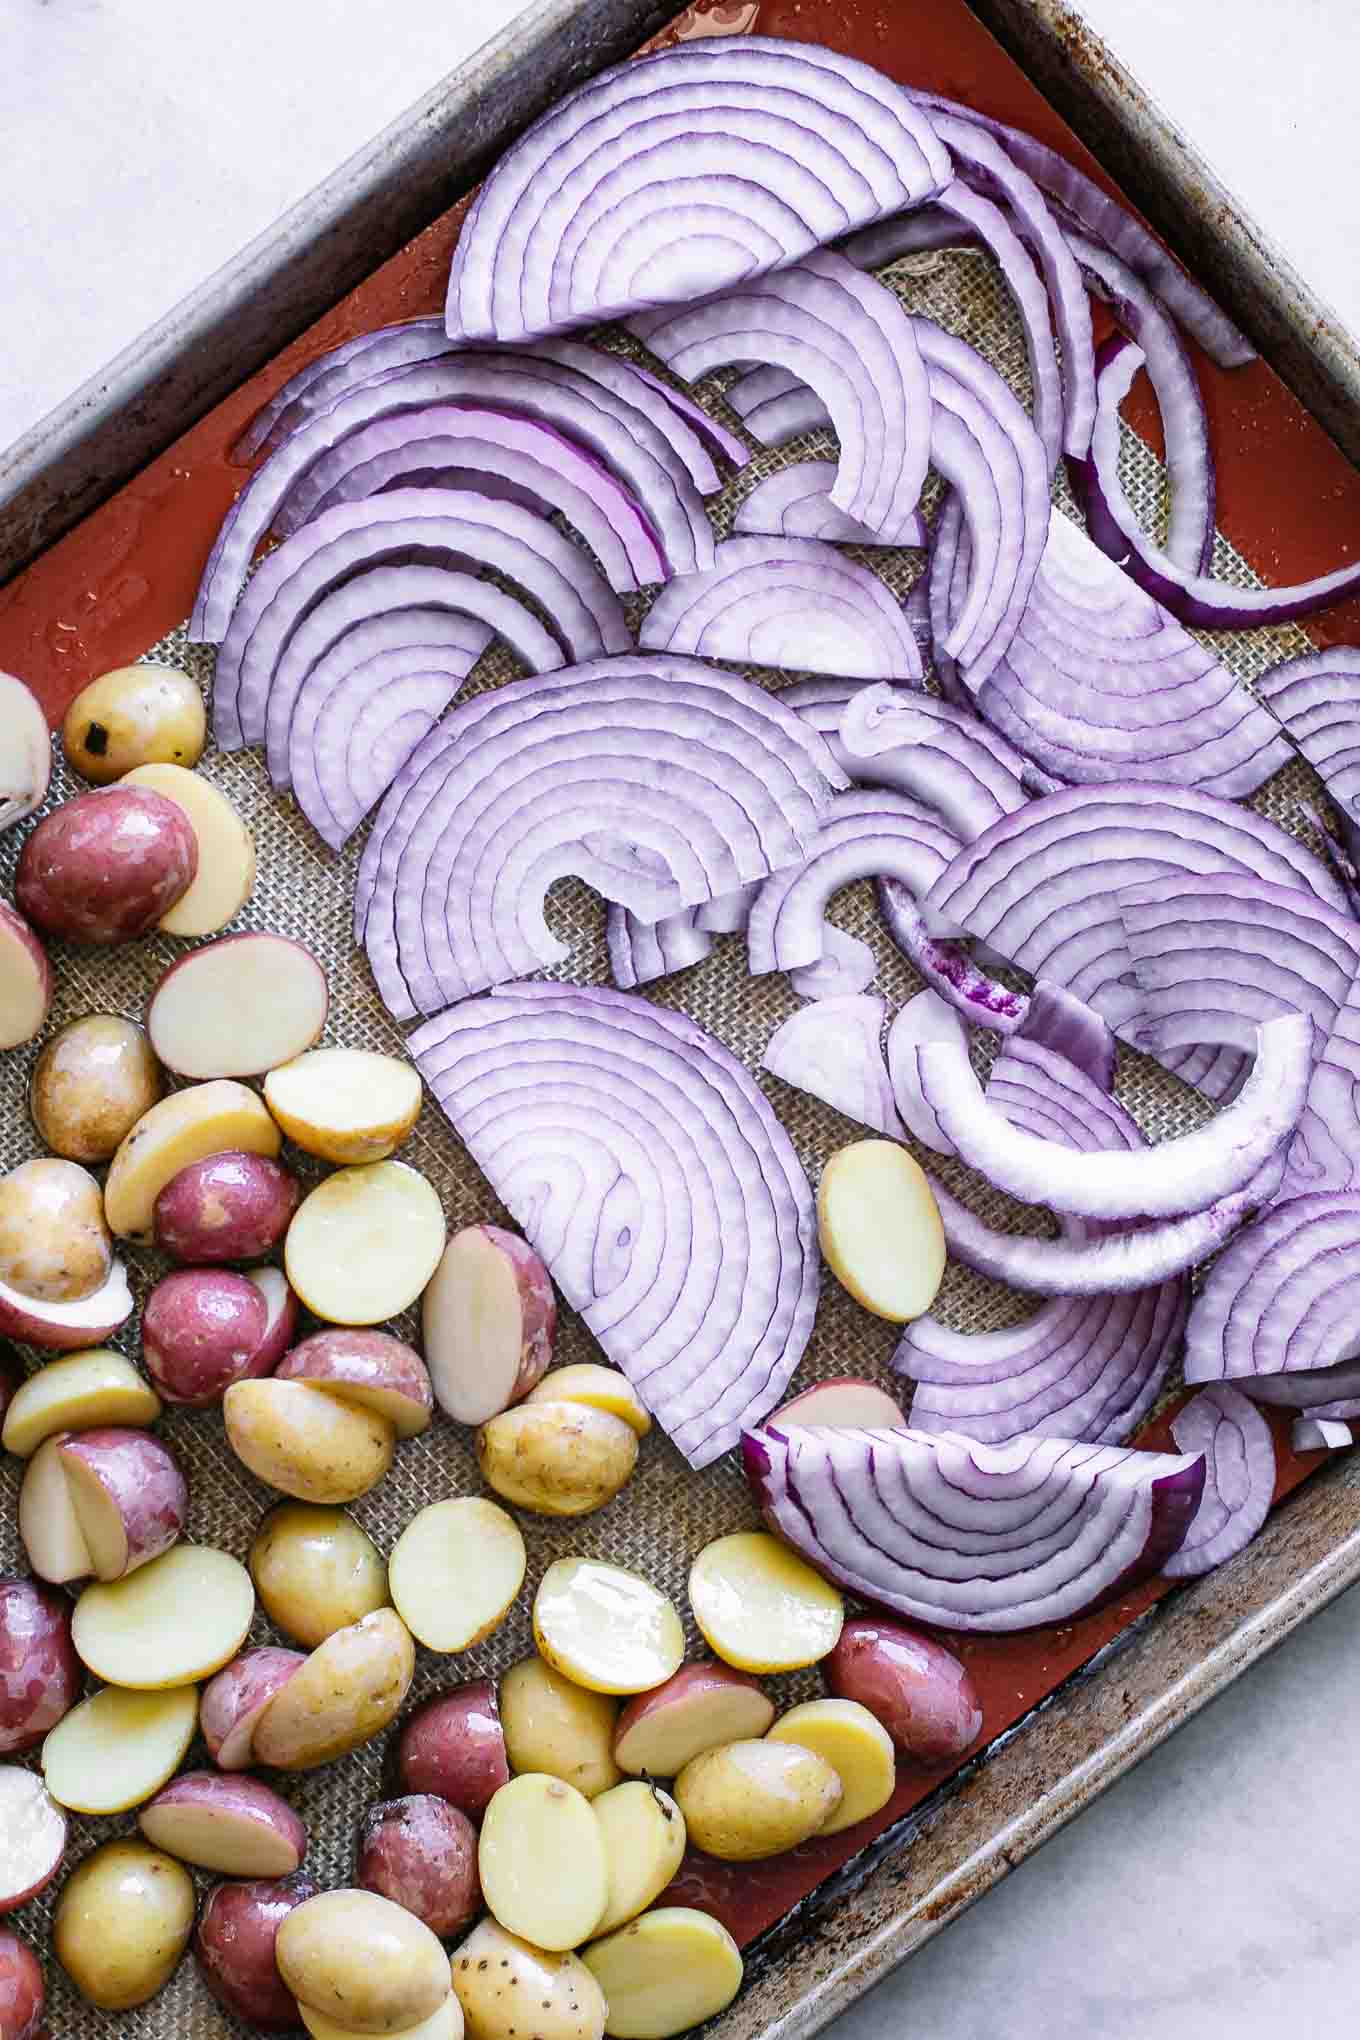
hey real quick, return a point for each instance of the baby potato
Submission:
(455, 1571)
(644, 1840)
(599, 1388)
(606, 1628)
(122, 1922)
(557, 1458)
(753, 1799)
(923, 1695)
(445, 2024)
(348, 1691)
(760, 1606)
(305, 1443)
(347, 1105)
(535, 1827)
(135, 715)
(553, 1725)
(666, 1972)
(422, 1853)
(104, 867)
(356, 1957)
(879, 1227)
(496, 1975)
(453, 1746)
(54, 1244)
(315, 1571)
(91, 1084)
(858, 1749)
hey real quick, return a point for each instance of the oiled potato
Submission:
(54, 1244)
(135, 715)
(606, 1628)
(106, 866)
(536, 1828)
(348, 1691)
(599, 1388)
(455, 1571)
(666, 1972)
(203, 1119)
(552, 1725)
(760, 1606)
(858, 1749)
(558, 1458)
(497, 1976)
(753, 1799)
(923, 1695)
(360, 1959)
(644, 1840)
(91, 1084)
(122, 1922)
(345, 1104)
(879, 1227)
(305, 1443)
(315, 1571)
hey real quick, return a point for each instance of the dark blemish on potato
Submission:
(97, 740)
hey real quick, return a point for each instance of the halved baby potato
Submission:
(597, 1388)
(116, 1749)
(644, 1840)
(552, 1724)
(355, 1956)
(748, 1800)
(606, 1628)
(665, 1972)
(346, 1105)
(455, 1571)
(179, 1618)
(226, 851)
(557, 1458)
(206, 1119)
(348, 1691)
(132, 715)
(365, 1243)
(305, 1443)
(444, 2024)
(496, 1975)
(49, 1528)
(703, 1705)
(858, 1749)
(760, 1606)
(542, 1862)
(82, 1392)
(880, 1230)
(238, 1007)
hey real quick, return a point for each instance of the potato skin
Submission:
(370, 1363)
(202, 1330)
(496, 1975)
(91, 1084)
(229, 1207)
(304, 1442)
(746, 1800)
(557, 1458)
(142, 1478)
(233, 1946)
(234, 1698)
(54, 1244)
(555, 1726)
(104, 867)
(315, 1571)
(41, 1678)
(134, 715)
(422, 1854)
(22, 1994)
(122, 1922)
(454, 1747)
(359, 1958)
(348, 1691)
(917, 1689)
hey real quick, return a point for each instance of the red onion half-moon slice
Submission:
(795, 502)
(1239, 1478)
(832, 1050)
(1279, 1312)
(1317, 698)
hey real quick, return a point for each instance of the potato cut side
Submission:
(858, 1749)
(552, 1724)
(238, 1007)
(760, 1607)
(25, 980)
(83, 1392)
(49, 1528)
(880, 1230)
(664, 1973)
(348, 1691)
(25, 752)
(176, 1619)
(445, 2024)
(32, 1836)
(606, 1628)
(490, 1318)
(364, 1243)
(117, 1748)
(702, 1706)
(185, 1127)
(844, 1403)
(599, 1388)
(644, 1840)
(542, 1861)
(455, 1571)
(234, 1825)
(345, 1104)
(226, 850)
(129, 1497)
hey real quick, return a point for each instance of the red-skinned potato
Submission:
(229, 1207)
(421, 1852)
(202, 1330)
(32, 1836)
(235, 1698)
(233, 1946)
(454, 1746)
(917, 1689)
(843, 1400)
(21, 1989)
(698, 1708)
(40, 1674)
(48, 1528)
(490, 1318)
(234, 1824)
(25, 980)
(67, 1327)
(129, 1496)
(281, 1307)
(368, 1368)
(105, 866)
(25, 752)
(91, 1084)
(238, 1007)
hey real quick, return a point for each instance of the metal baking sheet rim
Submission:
(854, 1929)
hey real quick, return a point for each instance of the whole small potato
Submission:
(746, 1800)
(229, 1207)
(234, 1948)
(122, 1922)
(422, 1853)
(105, 867)
(496, 1975)
(135, 715)
(304, 1442)
(558, 1458)
(91, 1084)
(54, 1244)
(362, 1961)
(21, 1989)
(202, 1330)
(554, 1726)
(921, 1693)
(315, 1571)
(454, 1747)
(348, 1691)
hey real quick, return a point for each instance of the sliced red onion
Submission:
(846, 966)
(1196, 599)
(1278, 1311)
(946, 966)
(795, 502)
(641, 951)
(823, 699)
(973, 1537)
(776, 407)
(300, 397)
(712, 434)
(1317, 698)
(683, 425)
(926, 1017)
(785, 602)
(1239, 1478)
(685, 173)
(728, 914)
(1321, 1434)
(849, 340)
(923, 231)
(661, 782)
(1068, 1028)
(932, 751)
(863, 833)
(832, 1050)
(646, 1166)
(1218, 1072)
(1186, 1173)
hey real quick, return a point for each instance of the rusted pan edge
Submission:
(1162, 171)
(859, 1925)
(372, 205)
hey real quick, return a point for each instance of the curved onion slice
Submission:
(1321, 1434)
(973, 1537)
(845, 966)
(659, 781)
(645, 1165)
(832, 1050)
(1217, 1072)
(932, 751)
(1186, 1173)
(1057, 1021)
(642, 951)
(301, 396)
(795, 502)
(1239, 1478)
(1195, 598)
(1317, 698)
(847, 338)
(785, 602)
(926, 1017)
(683, 174)
(1279, 1309)
(712, 435)
(863, 833)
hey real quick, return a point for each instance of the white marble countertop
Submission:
(1211, 1894)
